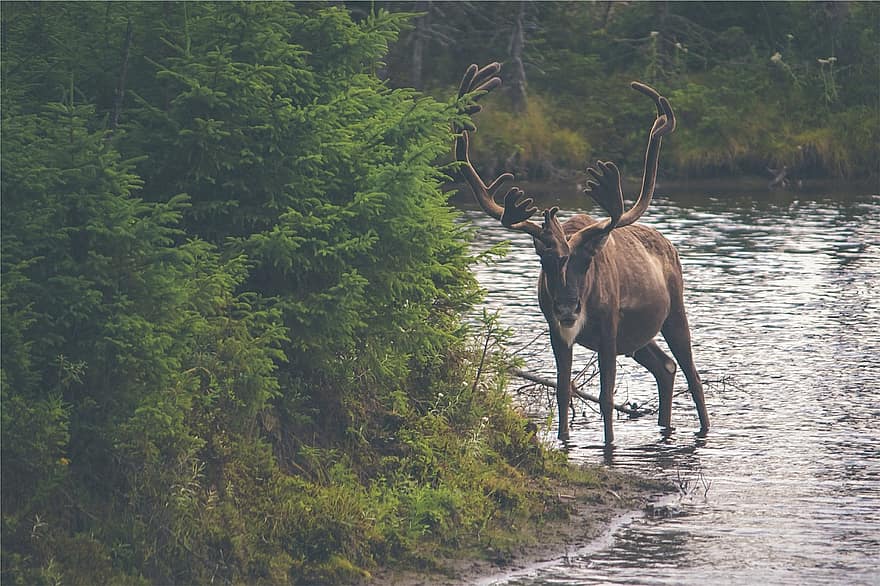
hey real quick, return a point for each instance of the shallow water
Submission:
(783, 297)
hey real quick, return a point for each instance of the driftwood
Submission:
(780, 177)
(632, 412)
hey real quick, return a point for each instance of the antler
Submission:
(664, 124)
(477, 80)
(604, 185)
(516, 211)
(515, 214)
(605, 189)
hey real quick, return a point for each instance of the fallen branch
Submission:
(632, 412)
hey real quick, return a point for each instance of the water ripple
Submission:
(782, 296)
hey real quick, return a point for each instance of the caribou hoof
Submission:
(704, 431)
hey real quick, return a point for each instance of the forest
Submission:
(238, 333)
(754, 84)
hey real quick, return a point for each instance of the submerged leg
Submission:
(607, 376)
(662, 367)
(678, 336)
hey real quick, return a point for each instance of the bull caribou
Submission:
(609, 284)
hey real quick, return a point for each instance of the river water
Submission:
(783, 297)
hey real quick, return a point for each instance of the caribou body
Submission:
(610, 285)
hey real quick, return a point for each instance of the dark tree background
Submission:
(755, 84)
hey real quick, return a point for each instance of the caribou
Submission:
(609, 284)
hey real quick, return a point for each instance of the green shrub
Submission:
(232, 304)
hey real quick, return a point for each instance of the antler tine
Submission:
(514, 214)
(648, 91)
(670, 115)
(605, 189)
(663, 108)
(514, 211)
(467, 79)
(476, 79)
(663, 125)
(481, 82)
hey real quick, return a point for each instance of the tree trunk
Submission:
(420, 39)
(517, 77)
(119, 95)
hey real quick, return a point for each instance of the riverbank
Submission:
(569, 194)
(587, 507)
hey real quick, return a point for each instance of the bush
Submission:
(232, 300)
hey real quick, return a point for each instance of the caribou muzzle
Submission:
(567, 311)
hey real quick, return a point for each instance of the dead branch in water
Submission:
(632, 412)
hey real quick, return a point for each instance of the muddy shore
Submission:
(594, 513)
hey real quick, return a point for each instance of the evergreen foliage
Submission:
(232, 298)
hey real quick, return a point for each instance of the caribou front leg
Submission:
(563, 354)
(607, 374)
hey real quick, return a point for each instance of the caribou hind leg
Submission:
(678, 337)
(662, 367)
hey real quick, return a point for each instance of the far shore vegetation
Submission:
(755, 85)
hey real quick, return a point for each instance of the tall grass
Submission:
(531, 144)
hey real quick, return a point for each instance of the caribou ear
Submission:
(540, 247)
(592, 242)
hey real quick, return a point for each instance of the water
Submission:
(783, 297)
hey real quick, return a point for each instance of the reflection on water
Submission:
(783, 296)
